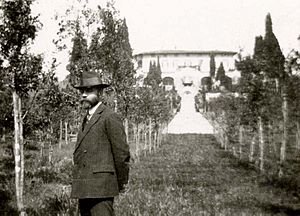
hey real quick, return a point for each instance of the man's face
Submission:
(90, 97)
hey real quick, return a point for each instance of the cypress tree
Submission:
(220, 72)
(77, 63)
(158, 68)
(124, 78)
(115, 57)
(154, 75)
(272, 57)
(258, 47)
(146, 80)
(212, 62)
(224, 80)
(109, 44)
(158, 72)
(94, 55)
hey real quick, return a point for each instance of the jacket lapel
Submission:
(88, 126)
(79, 135)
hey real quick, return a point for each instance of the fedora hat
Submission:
(89, 79)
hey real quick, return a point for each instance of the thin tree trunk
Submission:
(50, 152)
(136, 139)
(160, 135)
(116, 105)
(234, 152)
(285, 134)
(271, 137)
(150, 135)
(22, 154)
(145, 139)
(159, 132)
(162, 138)
(51, 131)
(252, 146)
(126, 128)
(225, 141)
(60, 133)
(298, 135)
(261, 142)
(139, 141)
(134, 131)
(241, 141)
(18, 148)
(155, 141)
(42, 149)
(221, 134)
(277, 84)
(66, 133)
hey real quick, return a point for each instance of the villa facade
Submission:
(182, 68)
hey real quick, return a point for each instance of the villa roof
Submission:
(177, 52)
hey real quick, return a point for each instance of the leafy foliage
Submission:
(110, 55)
(17, 29)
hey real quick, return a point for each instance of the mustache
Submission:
(82, 100)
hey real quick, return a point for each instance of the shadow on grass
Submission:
(290, 184)
(5, 200)
(277, 208)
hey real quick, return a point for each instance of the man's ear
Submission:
(100, 91)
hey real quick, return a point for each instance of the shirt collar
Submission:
(93, 109)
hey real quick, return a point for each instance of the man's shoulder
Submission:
(110, 112)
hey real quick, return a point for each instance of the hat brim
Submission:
(88, 86)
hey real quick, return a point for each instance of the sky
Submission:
(228, 25)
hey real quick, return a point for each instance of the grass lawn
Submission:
(188, 175)
(191, 175)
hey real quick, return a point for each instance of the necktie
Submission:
(85, 120)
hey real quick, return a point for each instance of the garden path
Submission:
(187, 120)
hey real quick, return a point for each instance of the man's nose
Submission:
(84, 94)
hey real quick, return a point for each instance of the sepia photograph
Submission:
(149, 107)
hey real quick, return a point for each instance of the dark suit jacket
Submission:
(101, 157)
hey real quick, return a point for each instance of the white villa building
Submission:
(181, 68)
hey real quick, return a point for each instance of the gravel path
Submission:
(188, 120)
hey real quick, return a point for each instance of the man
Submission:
(101, 154)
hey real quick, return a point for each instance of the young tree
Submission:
(22, 71)
(112, 47)
(109, 54)
(253, 104)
